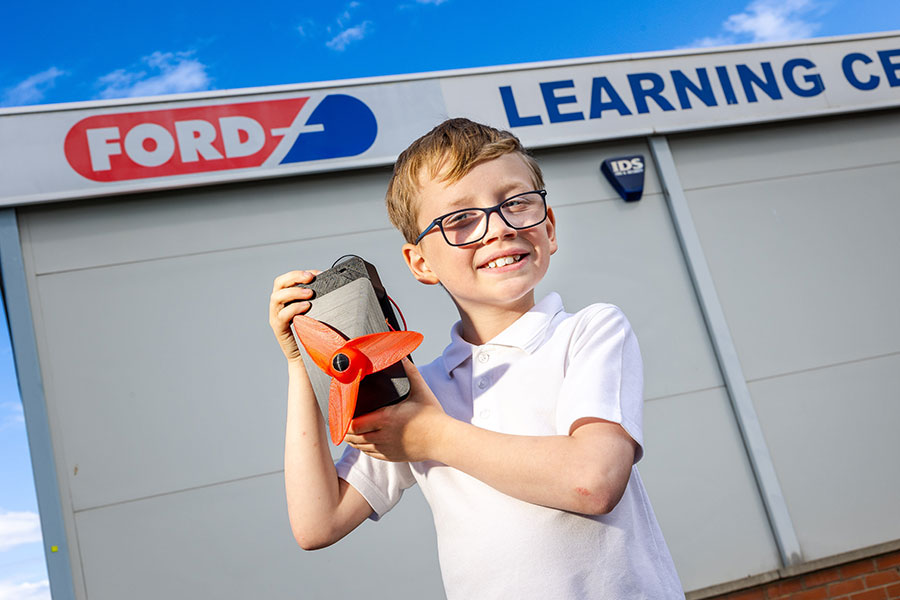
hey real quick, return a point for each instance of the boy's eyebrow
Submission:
(460, 202)
(467, 200)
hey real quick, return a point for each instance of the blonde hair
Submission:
(449, 151)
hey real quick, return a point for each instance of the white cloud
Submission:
(767, 21)
(12, 416)
(167, 73)
(435, 2)
(38, 590)
(347, 36)
(32, 89)
(346, 15)
(712, 41)
(17, 528)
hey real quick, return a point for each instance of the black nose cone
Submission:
(340, 362)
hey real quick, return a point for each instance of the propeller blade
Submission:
(341, 406)
(320, 340)
(384, 349)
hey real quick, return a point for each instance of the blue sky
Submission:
(76, 51)
(95, 50)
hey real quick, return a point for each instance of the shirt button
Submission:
(484, 357)
(484, 414)
(482, 383)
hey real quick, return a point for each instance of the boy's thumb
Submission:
(412, 373)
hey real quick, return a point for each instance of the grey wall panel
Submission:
(165, 374)
(833, 435)
(85, 234)
(627, 254)
(572, 174)
(798, 223)
(233, 542)
(701, 486)
(806, 267)
(712, 158)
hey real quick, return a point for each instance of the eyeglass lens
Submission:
(470, 225)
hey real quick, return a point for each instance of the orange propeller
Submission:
(348, 361)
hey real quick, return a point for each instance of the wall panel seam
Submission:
(205, 252)
(823, 367)
(720, 386)
(791, 176)
(175, 492)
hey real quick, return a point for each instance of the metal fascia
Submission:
(31, 388)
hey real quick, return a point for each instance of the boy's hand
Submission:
(280, 315)
(403, 432)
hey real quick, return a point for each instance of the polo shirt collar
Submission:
(527, 332)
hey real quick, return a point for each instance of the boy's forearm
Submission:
(314, 492)
(585, 472)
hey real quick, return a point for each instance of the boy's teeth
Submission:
(502, 262)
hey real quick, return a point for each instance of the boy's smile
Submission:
(493, 278)
(503, 260)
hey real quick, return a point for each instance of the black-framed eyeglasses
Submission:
(470, 225)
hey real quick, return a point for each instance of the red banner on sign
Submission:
(158, 143)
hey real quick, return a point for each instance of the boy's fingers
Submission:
(369, 450)
(287, 313)
(285, 307)
(364, 424)
(288, 294)
(293, 278)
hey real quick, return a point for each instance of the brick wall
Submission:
(876, 578)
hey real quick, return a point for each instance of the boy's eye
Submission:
(519, 203)
(462, 219)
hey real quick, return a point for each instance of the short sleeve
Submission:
(380, 482)
(604, 375)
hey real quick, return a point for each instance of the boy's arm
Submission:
(322, 507)
(584, 472)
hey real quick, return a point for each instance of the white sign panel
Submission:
(640, 96)
(113, 150)
(102, 150)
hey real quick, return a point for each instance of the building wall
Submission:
(799, 225)
(166, 392)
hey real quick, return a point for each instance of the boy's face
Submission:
(464, 270)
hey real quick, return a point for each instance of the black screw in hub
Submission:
(340, 362)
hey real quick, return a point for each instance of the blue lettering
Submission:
(654, 91)
(847, 66)
(727, 89)
(816, 87)
(552, 101)
(890, 68)
(512, 113)
(703, 92)
(598, 86)
(766, 84)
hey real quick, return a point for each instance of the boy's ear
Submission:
(551, 230)
(418, 266)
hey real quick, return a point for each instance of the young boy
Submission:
(524, 433)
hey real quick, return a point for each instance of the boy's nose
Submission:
(497, 229)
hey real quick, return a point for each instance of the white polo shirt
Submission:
(537, 377)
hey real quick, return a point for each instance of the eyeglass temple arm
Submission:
(427, 229)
